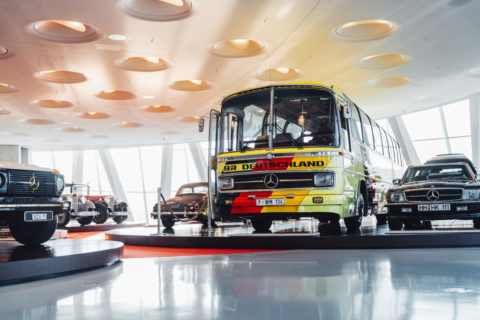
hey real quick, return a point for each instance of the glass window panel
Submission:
(127, 163)
(355, 125)
(385, 125)
(462, 145)
(43, 159)
(377, 137)
(136, 205)
(180, 168)
(367, 130)
(63, 163)
(94, 173)
(429, 148)
(425, 124)
(152, 167)
(457, 118)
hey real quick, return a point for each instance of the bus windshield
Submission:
(301, 117)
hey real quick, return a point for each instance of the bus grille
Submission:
(445, 194)
(291, 180)
(19, 183)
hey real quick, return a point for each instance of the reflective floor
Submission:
(314, 284)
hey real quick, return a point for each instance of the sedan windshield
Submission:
(437, 173)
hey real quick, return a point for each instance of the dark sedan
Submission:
(440, 191)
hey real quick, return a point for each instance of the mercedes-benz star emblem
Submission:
(34, 183)
(270, 181)
(433, 195)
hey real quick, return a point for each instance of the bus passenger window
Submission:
(367, 130)
(355, 126)
(386, 146)
(377, 137)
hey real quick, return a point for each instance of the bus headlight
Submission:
(324, 179)
(226, 183)
(471, 194)
(396, 196)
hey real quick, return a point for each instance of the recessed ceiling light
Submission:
(117, 37)
(388, 82)
(365, 30)
(190, 85)
(190, 119)
(115, 95)
(3, 52)
(54, 104)
(61, 76)
(73, 129)
(278, 74)
(7, 88)
(159, 9)
(157, 109)
(148, 97)
(4, 111)
(99, 136)
(143, 63)
(64, 30)
(237, 48)
(94, 115)
(380, 61)
(38, 121)
(127, 124)
(474, 72)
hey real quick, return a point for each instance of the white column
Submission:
(474, 128)
(10, 153)
(401, 134)
(167, 167)
(199, 160)
(113, 178)
(77, 167)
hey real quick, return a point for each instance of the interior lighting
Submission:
(190, 119)
(143, 63)
(380, 61)
(157, 109)
(117, 37)
(127, 124)
(7, 88)
(278, 74)
(237, 48)
(73, 129)
(115, 95)
(61, 76)
(365, 30)
(3, 52)
(4, 111)
(38, 121)
(94, 115)
(159, 10)
(64, 30)
(388, 82)
(190, 85)
(53, 104)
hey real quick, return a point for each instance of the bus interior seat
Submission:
(261, 142)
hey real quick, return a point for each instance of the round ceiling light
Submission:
(388, 82)
(64, 30)
(127, 124)
(190, 85)
(7, 88)
(365, 30)
(117, 37)
(159, 10)
(238, 48)
(190, 119)
(474, 72)
(278, 74)
(61, 76)
(72, 129)
(380, 61)
(38, 121)
(94, 115)
(143, 64)
(157, 109)
(53, 104)
(3, 52)
(115, 95)
(4, 111)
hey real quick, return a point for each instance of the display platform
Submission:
(55, 257)
(299, 235)
(74, 226)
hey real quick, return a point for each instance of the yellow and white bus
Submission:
(298, 150)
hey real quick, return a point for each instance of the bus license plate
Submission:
(33, 216)
(271, 202)
(434, 207)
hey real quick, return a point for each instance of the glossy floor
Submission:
(303, 284)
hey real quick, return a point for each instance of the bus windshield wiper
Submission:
(252, 140)
(289, 137)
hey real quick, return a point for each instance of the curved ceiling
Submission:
(322, 40)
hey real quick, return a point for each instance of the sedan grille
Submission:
(444, 194)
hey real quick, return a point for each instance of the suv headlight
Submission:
(60, 184)
(324, 179)
(226, 183)
(471, 194)
(396, 196)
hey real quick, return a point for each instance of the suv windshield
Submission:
(302, 117)
(437, 173)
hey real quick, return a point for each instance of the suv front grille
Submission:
(445, 194)
(19, 183)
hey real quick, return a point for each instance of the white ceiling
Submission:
(440, 37)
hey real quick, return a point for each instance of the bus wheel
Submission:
(353, 223)
(381, 219)
(395, 225)
(329, 228)
(413, 225)
(261, 224)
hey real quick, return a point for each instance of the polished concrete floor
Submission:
(303, 284)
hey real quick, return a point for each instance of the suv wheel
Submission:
(33, 233)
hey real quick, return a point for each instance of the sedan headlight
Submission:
(471, 194)
(396, 196)
(60, 184)
(324, 179)
(226, 183)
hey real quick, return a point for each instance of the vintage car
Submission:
(30, 201)
(109, 206)
(435, 191)
(190, 202)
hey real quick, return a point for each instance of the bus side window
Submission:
(355, 128)
(386, 146)
(378, 138)
(346, 136)
(367, 130)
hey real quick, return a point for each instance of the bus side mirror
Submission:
(201, 124)
(347, 112)
(396, 181)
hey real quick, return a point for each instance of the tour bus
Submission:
(298, 150)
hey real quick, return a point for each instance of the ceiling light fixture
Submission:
(7, 88)
(157, 109)
(127, 124)
(389, 82)
(190, 85)
(4, 111)
(238, 48)
(143, 63)
(53, 104)
(64, 30)
(3, 52)
(117, 37)
(190, 119)
(38, 121)
(278, 74)
(365, 30)
(380, 61)
(73, 129)
(115, 95)
(61, 76)
(159, 10)
(94, 115)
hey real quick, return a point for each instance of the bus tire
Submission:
(395, 225)
(330, 228)
(261, 224)
(353, 223)
(476, 223)
(381, 219)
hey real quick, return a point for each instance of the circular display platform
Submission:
(55, 257)
(74, 226)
